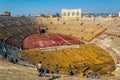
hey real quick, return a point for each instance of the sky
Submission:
(35, 7)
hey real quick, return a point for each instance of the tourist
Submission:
(12, 60)
(84, 63)
(94, 75)
(56, 70)
(16, 61)
(71, 73)
(88, 75)
(4, 56)
(43, 72)
(39, 67)
(47, 71)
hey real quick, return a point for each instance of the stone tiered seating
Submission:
(84, 33)
(14, 21)
(90, 54)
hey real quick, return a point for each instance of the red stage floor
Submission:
(49, 40)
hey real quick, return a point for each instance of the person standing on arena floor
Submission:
(39, 67)
(56, 70)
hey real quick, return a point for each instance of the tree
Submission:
(57, 14)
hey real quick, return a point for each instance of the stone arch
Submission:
(64, 13)
(77, 13)
(68, 13)
(73, 13)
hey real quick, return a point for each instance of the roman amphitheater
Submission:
(76, 43)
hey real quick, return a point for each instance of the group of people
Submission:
(43, 72)
(12, 60)
(92, 75)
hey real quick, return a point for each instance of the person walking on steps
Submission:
(39, 68)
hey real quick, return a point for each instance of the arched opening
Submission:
(77, 13)
(43, 30)
(73, 13)
(68, 13)
(64, 14)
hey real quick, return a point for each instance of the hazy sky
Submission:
(34, 7)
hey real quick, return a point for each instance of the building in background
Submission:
(71, 13)
(6, 13)
(119, 13)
